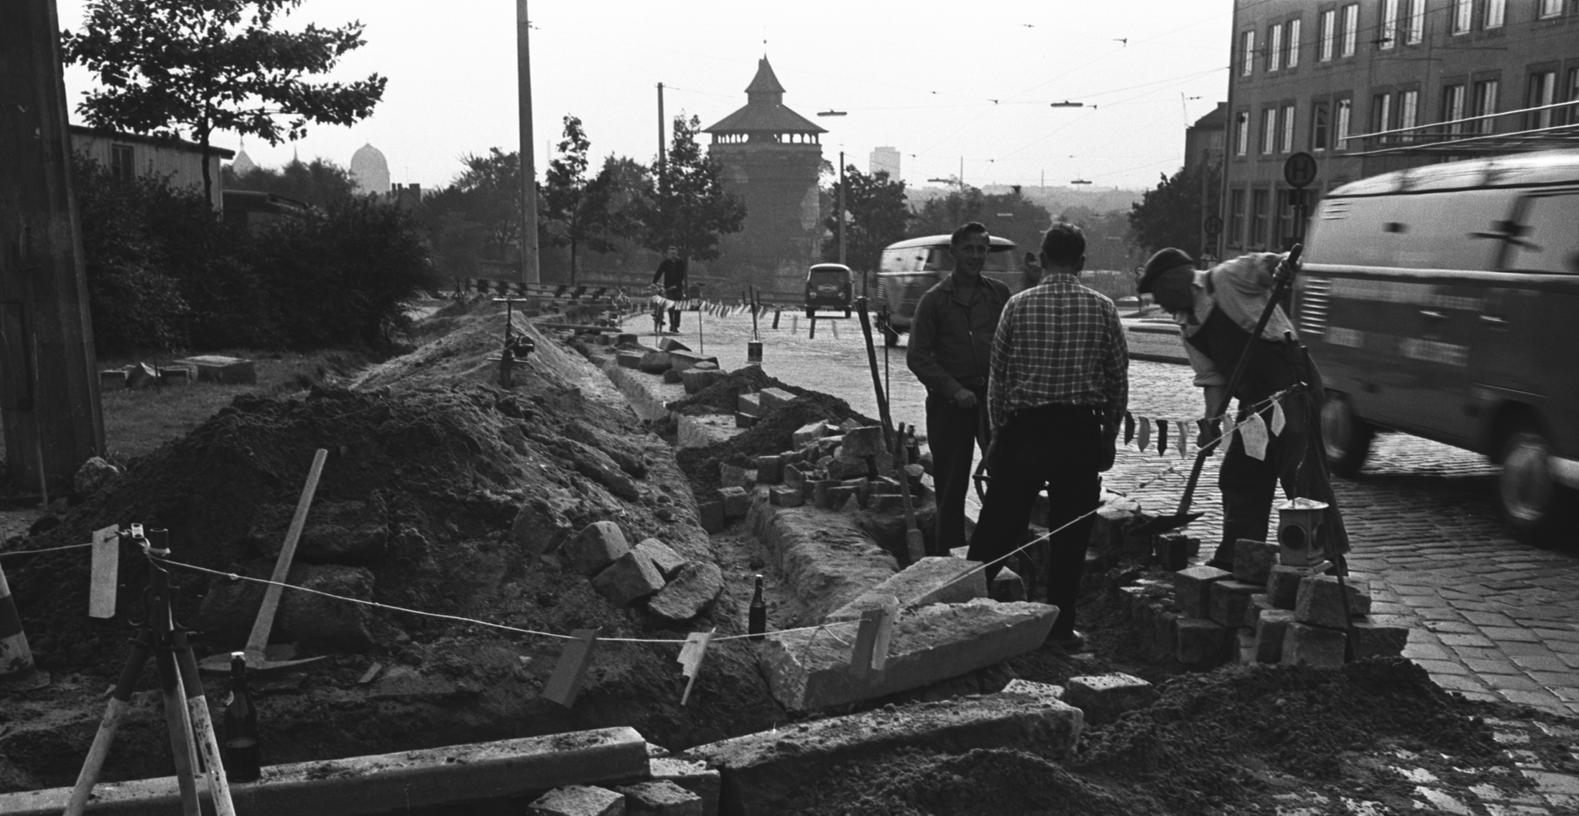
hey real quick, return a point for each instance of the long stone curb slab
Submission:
(384, 783)
(645, 393)
(809, 670)
(934, 579)
(825, 558)
(761, 770)
(702, 430)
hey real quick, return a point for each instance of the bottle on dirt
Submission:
(757, 618)
(240, 748)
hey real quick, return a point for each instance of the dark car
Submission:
(828, 287)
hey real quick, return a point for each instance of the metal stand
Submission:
(193, 744)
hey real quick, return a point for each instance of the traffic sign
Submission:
(1299, 170)
(1214, 224)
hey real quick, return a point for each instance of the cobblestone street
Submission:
(1490, 618)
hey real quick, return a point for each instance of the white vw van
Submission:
(1443, 301)
(908, 268)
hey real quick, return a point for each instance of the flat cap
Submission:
(1161, 261)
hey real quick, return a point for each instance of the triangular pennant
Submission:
(105, 572)
(565, 683)
(1183, 445)
(1277, 417)
(1129, 427)
(1143, 434)
(691, 655)
(1162, 436)
(1252, 432)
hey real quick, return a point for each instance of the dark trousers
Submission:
(1294, 459)
(952, 436)
(1058, 448)
(674, 293)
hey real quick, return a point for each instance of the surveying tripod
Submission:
(192, 741)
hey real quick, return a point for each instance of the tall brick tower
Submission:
(771, 157)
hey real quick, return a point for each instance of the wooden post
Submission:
(49, 390)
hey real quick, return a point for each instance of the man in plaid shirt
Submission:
(1057, 388)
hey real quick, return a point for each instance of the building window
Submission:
(1549, 8)
(1408, 114)
(1247, 50)
(1293, 44)
(1236, 218)
(1485, 105)
(1389, 38)
(1327, 31)
(1258, 210)
(1496, 12)
(1381, 115)
(1241, 133)
(1281, 220)
(1318, 126)
(1268, 131)
(1274, 47)
(122, 167)
(1288, 128)
(1463, 13)
(1573, 97)
(1351, 29)
(1345, 110)
(1543, 93)
(1415, 30)
(1453, 108)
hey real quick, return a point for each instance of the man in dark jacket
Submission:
(671, 275)
(950, 348)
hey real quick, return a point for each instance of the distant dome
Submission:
(370, 170)
(242, 164)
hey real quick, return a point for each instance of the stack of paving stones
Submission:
(651, 573)
(1263, 611)
(672, 360)
(831, 467)
(673, 787)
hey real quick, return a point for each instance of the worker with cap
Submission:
(1217, 310)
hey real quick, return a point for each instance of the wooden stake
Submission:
(565, 683)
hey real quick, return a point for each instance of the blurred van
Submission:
(828, 287)
(908, 268)
(1443, 302)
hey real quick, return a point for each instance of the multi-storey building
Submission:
(884, 160)
(1368, 86)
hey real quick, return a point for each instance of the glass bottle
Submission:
(240, 749)
(757, 619)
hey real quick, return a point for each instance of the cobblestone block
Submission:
(1320, 602)
(1244, 646)
(654, 362)
(1103, 697)
(711, 515)
(1376, 640)
(660, 797)
(1307, 645)
(1254, 560)
(1192, 589)
(794, 476)
(772, 398)
(632, 577)
(862, 442)
(744, 420)
(1007, 586)
(695, 380)
(597, 545)
(770, 468)
(841, 469)
(737, 502)
(1200, 642)
(1259, 604)
(663, 556)
(809, 433)
(733, 475)
(822, 493)
(1227, 601)
(840, 495)
(1270, 632)
(1282, 585)
(781, 496)
(577, 800)
(749, 403)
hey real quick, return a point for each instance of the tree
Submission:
(945, 213)
(877, 217)
(572, 209)
(690, 209)
(489, 193)
(620, 193)
(181, 69)
(1170, 215)
(320, 183)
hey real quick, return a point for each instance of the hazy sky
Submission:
(951, 85)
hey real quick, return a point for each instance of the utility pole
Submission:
(662, 154)
(841, 207)
(530, 272)
(49, 389)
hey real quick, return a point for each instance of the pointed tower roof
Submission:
(765, 110)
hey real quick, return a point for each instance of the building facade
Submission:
(1369, 86)
(884, 160)
(128, 156)
(772, 157)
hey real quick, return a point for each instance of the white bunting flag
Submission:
(1277, 417)
(1143, 434)
(1253, 433)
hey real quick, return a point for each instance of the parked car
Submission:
(828, 287)
(908, 268)
(1440, 301)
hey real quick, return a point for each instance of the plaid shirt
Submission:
(1058, 343)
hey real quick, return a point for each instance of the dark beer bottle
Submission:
(757, 620)
(240, 748)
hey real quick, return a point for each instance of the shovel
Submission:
(256, 649)
(1163, 524)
